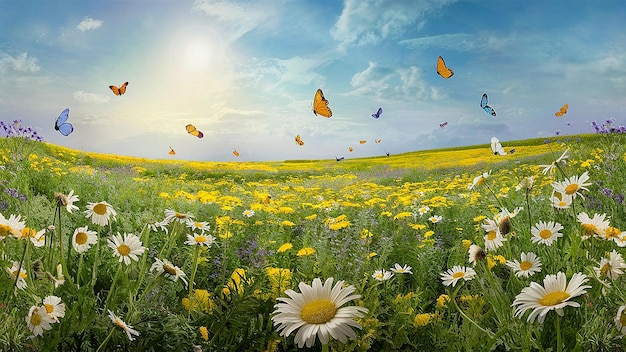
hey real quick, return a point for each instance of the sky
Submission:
(245, 73)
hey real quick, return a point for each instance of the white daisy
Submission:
(593, 226)
(82, 239)
(382, 275)
(555, 294)
(200, 240)
(423, 210)
(620, 319)
(546, 232)
(67, 201)
(573, 185)
(529, 265)
(248, 213)
(475, 253)
(128, 329)
(551, 168)
(54, 308)
(12, 226)
(452, 276)
(172, 215)
(435, 219)
(21, 274)
(159, 225)
(479, 180)
(399, 269)
(126, 248)
(168, 270)
(610, 267)
(317, 311)
(100, 213)
(198, 225)
(493, 238)
(561, 200)
(38, 320)
(59, 279)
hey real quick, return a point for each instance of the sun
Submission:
(196, 53)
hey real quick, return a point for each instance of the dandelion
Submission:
(172, 215)
(66, 201)
(305, 251)
(284, 248)
(573, 185)
(38, 320)
(546, 232)
(593, 226)
(382, 275)
(452, 276)
(100, 213)
(200, 240)
(555, 294)
(610, 267)
(317, 311)
(54, 308)
(529, 265)
(168, 270)
(126, 248)
(20, 275)
(620, 319)
(83, 239)
(128, 329)
(401, 269)
(475, 254)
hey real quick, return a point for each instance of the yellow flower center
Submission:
(81, 238)
(612, 232)
(123, 250)
(525, 265)
(622, 318)
(200, 239)
(491, 235)
(590, 229)
(35, 319)
(4, 230)
(554, 298)
(100, 209)
(571, 189)
(120, 323)
(545, 234)
(181, 216)
(318, 312)
(458, 274)
(605, 269)
(49, 308)
(169, 269)
(562, 203)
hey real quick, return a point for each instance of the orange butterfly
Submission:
(320, 105)
(235, 152)
(362, 142)
(119, 91)
(443, 70)
(299, 141)
(378, 140)
(562, 111)
(191, 129)
(350, 149)
(172, 152)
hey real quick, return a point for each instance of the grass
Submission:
(355, 216)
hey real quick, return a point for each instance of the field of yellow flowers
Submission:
(454, 249)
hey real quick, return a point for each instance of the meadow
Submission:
(445, 250)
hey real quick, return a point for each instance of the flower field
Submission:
(453, 249)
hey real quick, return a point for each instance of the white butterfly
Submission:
(496, 147)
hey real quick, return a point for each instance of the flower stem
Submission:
(453, 299)
(117, 274)
(195, 268)
(557, 326)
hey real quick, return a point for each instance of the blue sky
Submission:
(245, 73)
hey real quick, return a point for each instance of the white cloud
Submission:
(88, 23)
(380, 82)
(85, 97)
(371, 21)
(238, 18)
(20, 63)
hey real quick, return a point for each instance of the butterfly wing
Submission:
(299, 141)
(442, 69)
(496, 147)
(320, 105)
(442, 125)
(172, 152)
(123, 88)
(377, 114)
(378, 140)
(562, 111)
(362, 142)
(65, 128)
(191, 129)
(235, 152)
(490, 110)
(484, 100)
(119, 90)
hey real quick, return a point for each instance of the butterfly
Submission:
(442, 125)
(362, 142)
(512, 151)
(191, 129)
(378, 140)
(64, 127)
(442, 69)
(339, 159)
(320, 105)
(119, 91)
(377, 114)
(172, 152)
(350, 149)
(496, 147)
(235, 152)
(386, 152)
(562, 111)
(488, 109)
(299, 141)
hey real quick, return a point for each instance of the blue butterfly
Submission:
(377, 114)
(487, 108)
(64, 127)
